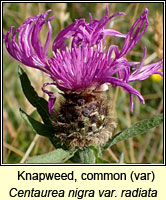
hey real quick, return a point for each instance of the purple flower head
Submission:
(86, 65)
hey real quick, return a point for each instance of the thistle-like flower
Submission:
(82, 71)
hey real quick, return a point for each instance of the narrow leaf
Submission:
(137, 129)
(38, 127)
(38, 102)
(56, 156)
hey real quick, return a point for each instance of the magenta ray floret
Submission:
(28, 50)
(86, 65)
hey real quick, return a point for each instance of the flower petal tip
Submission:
(146, 11)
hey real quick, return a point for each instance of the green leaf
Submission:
(38, 102)
(86, 156)
(38, 127)
(56, 156)
(42, 129)
(136, 129)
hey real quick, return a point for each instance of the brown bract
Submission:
(85, 120)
